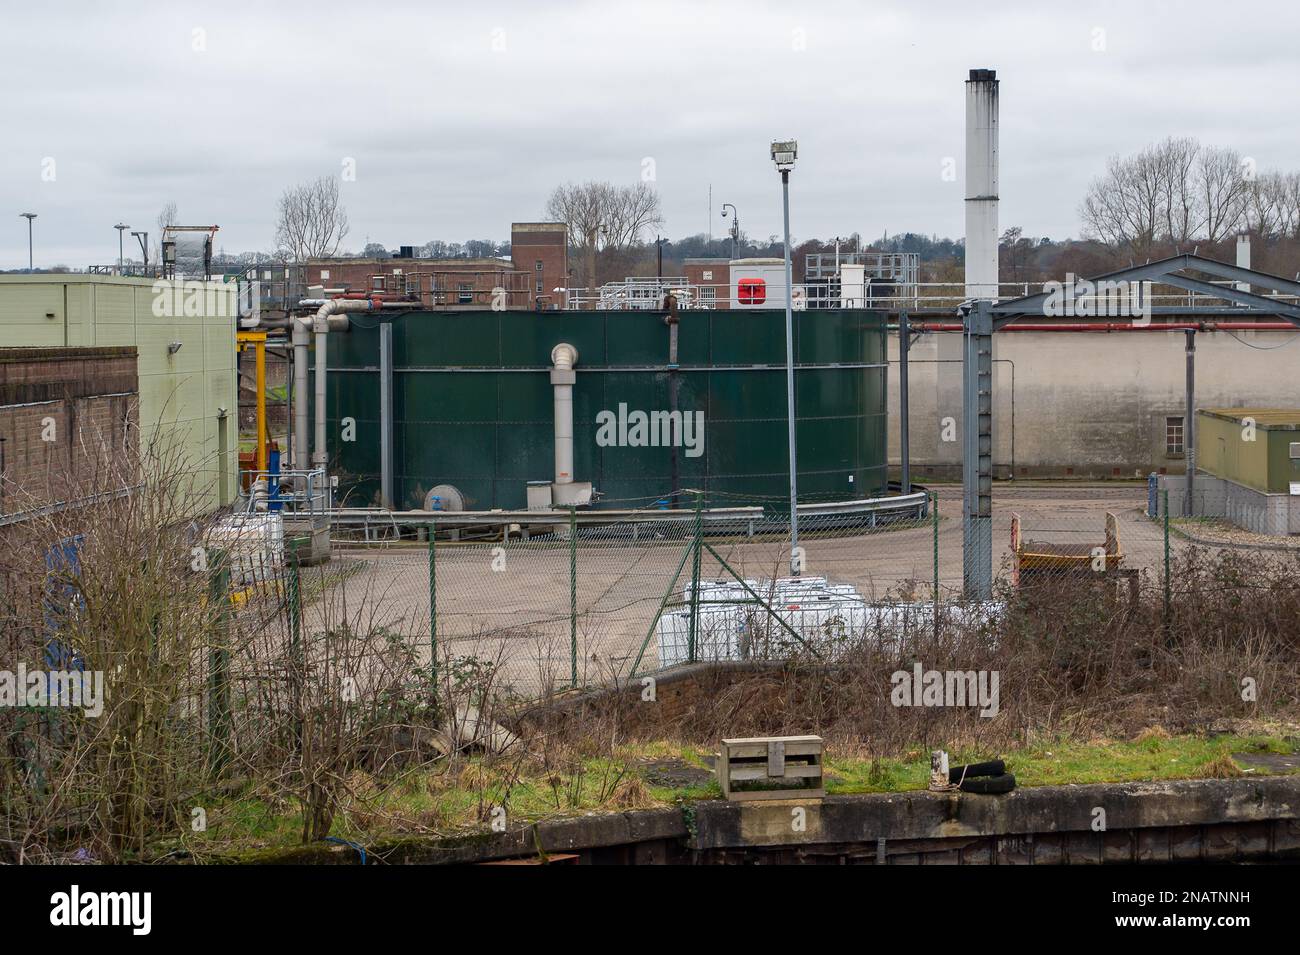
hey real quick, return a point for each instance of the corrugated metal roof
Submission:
(1263, 417)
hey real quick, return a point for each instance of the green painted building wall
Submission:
(187, 397)
(1251, 446)
(473, 404)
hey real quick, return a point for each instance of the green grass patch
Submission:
(437, 801)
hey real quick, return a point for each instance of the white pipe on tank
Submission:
(329, 316)
(563, 358)
(982, 185)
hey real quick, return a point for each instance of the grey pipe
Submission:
(329, 317)
(320, 456)
(301, 339)
(563, 357)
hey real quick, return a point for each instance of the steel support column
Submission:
(977, 457)
(904, 434)
(386, 413)
(1189, 424)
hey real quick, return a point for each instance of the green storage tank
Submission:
(473, 404)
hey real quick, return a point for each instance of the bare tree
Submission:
(1272, 204)
(600, 215)
(1124, 207)
(1221, 190)
(312, 222)
(1176, 191)
(1177, 157)
(167, 216)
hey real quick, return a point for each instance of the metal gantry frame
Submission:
(981, 318)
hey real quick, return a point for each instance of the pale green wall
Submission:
(181, 394)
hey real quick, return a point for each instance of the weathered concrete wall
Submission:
(1256, 511)
(1084, 404)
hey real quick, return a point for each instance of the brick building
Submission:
(68, 418)
(538, 265)
(542, 250)
(712, 277)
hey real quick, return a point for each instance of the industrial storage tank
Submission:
(472, 405)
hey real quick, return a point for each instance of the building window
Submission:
(1173, 436)
(538, 266)
(465, 293)
(324, 273)
(539, 286)
(708, 275)
(708, 296)
(377, 283)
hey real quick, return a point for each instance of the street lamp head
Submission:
(784, 153)
(29, 216)
(121, 227)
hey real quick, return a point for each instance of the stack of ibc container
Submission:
(828, 618)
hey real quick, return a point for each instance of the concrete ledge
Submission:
(1029, 811)
(1193, 820)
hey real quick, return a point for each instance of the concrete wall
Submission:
(1248, 508)
(1085, 404)
(187, 397)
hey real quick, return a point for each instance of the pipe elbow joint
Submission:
(564, 356)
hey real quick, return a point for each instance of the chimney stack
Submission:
(982, 184)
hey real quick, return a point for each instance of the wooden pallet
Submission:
(789, 767)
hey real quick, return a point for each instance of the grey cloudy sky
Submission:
(461, 117)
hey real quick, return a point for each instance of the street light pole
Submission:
(783, 154)
(735, 228)
(29, 216)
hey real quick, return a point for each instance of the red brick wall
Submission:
(547, 243)
(69, 418)
(437, 281)
(719, 278)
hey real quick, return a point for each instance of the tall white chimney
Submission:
(982, 184)
(1243, 257)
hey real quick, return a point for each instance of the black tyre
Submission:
(995, 767)
(990, 785)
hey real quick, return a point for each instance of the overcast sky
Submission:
(461, 117)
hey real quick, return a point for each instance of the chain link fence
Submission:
(548, 607)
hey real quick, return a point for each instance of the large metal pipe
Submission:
(563, 357)
(982, 185)
(329, 316)
(1122, 327)
(1189, 423)
(319, 456)
(301, 339)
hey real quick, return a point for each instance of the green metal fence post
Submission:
(219, 662)
(697, 542)
(433, 615)
(1164, 506)
(293, 594)
(573, 596)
